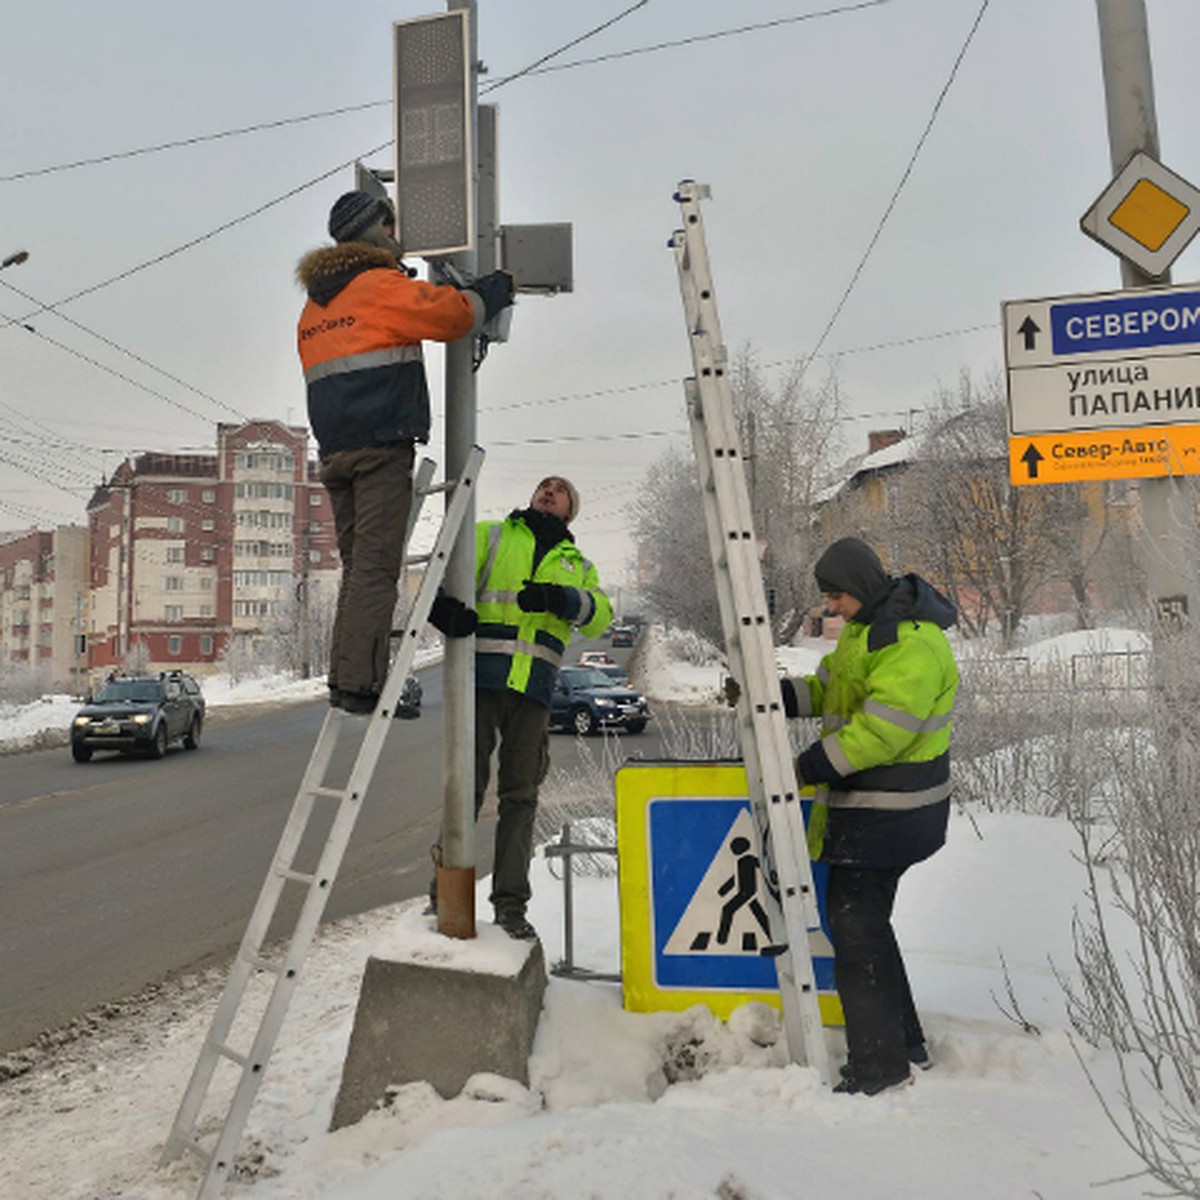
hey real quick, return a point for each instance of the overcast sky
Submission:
(803, 131)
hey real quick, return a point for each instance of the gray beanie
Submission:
(572, 492)
(850, 565)
(353, 214)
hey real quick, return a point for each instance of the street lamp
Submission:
(15, 259)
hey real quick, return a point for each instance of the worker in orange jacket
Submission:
(359, 338)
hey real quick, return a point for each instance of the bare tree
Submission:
(994, 546)
(668, 526)
(1143, 863)
(790, 436)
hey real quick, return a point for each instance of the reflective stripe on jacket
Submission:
(519, 650)
(359, 338)
(886, 716)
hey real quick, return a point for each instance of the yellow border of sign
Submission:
(636, 785)
(1146, 452)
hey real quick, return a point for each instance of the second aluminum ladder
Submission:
(770, 775)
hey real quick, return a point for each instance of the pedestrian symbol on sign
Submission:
(727, 913)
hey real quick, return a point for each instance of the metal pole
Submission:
(458, 741)
(1167, 512)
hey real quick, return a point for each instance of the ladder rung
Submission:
(295, 876)
(332, 792)
(194, 1147)
(229, 1052)
(416, 560)
(433, 489)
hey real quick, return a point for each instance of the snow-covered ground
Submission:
(1004, 1114)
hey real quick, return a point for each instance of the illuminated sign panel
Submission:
(434, 159)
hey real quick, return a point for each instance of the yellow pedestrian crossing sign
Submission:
(696, 894)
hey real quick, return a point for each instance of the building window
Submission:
(206, 611)
(174, 644)
(315, 527)
(177, 495)
(314, 556)
(206, 582)
(208, 496)
(208, 524)
(176, 525)
(173, 583)
(174, 554)
(174, 612)
(206, 645)
(314, 499)
(206, 555)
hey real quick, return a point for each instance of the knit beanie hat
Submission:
(572, 491)
(851, 566)
(353, 214)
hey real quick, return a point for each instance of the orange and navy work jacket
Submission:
(360, 338)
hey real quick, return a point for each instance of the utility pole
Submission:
(456, 878)
(1168, 512)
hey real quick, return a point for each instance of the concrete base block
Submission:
(442, 1022)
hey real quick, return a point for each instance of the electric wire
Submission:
(707, 37)
(45, 337)
(908, 170)
(145, 362)
(533, 69)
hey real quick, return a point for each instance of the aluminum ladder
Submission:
(770, 774)
(315, 883)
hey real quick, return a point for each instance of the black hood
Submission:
(908, 598)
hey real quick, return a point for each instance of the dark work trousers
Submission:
(519, 724)
(371, 493)
(881, 1019)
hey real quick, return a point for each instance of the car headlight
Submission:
(80, 722)
(602, 703)
(143, 718)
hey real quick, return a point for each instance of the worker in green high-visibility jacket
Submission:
(885, 698)
(533, 588)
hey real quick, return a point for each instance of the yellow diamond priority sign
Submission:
(1147, 215)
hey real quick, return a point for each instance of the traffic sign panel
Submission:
(695, 923)
(1110, 360)
(1140, 453)
(1147, 215)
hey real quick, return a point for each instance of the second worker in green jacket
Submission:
(533, 589)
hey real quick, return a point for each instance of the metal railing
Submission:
(566, 849)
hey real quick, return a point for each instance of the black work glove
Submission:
(452, 617)
(732, 691)
(542, 597)
(813, 767)
(495, 290)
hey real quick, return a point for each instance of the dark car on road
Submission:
(139, 713)
(585, 699)
(624, 635)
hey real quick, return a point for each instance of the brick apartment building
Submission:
(44, 601)
(197, 557)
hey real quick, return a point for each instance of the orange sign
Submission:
(1148, 452)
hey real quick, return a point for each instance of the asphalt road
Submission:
(123, 872)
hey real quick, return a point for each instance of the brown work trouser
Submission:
(371, 493)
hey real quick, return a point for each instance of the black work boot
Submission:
(516, 926)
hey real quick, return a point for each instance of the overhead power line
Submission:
(706, 37)
(908, 170)
(145, 362)
(535, 68)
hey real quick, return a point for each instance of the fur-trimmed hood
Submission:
(325, 271)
